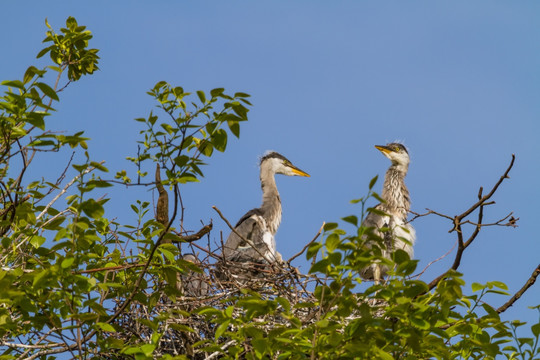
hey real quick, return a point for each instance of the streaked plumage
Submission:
(194, 284)
(260, 225)
(396, 205)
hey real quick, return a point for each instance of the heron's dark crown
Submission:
(397, 146)
(274, 155)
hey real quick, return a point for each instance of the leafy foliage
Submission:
(74, 281)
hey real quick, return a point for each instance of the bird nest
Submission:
(220, 284)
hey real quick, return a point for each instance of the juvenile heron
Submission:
(396, 205)
(194, 284)
(259, 226)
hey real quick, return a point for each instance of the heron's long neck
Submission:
(395, 193)
(271, 205)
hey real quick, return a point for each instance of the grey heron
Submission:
(258, 226)
(400, 234)
(194, 284)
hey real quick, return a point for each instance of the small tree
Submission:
(76, 282)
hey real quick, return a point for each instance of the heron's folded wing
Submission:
(250, 227)
(375, 219)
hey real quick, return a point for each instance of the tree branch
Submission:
(307, 245)
(458, 221)
(193, 237)
(530, 281)
(484, 198)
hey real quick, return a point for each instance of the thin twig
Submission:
(308, 244)
(484, 198)
(86, 171)
(436, 260)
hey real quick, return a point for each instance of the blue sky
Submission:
(458, 82)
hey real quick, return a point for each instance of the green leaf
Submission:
(36, 119)
(201, 95)
(71, 23)
(44, 51)
(206, 148)
(377, 212)
(384, 355)
(185, 178)
(476, 286)
(219, 140)
(216, 92)
(47, 90)
(40, 277)
(222, 328)
(30, 73)
(36, 241)
(55, 224)
(181, 160)
(352, 219)
(99, 166)
(99, 183)
(67, 262)
(92, 208)
(241, 111)
(536, 329)
(332, 242)
(234, 126)
(498, 284)
(14, 83)
(372, 182)
(319, 266)
(420, 323)
(312, 250)
(330, 226)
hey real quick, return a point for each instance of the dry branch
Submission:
(194, 237)
(458, 221)
(530, 281)
(308, 244)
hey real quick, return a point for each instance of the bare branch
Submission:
(530, 281)
(429, 212)
(436, 260)
(194, 237)
(308, 244)
(512, 222)
(458, 222)
(483, 199)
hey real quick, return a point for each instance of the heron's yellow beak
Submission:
(299, 172)
(383, 149)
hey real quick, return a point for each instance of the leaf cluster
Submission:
(193, 126)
